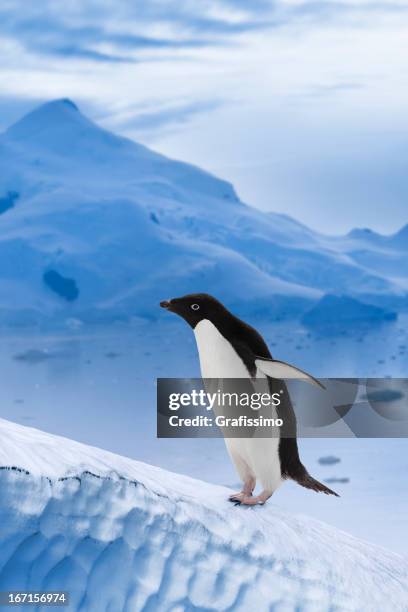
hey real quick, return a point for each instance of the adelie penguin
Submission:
(230, 348)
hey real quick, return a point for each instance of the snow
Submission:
(354, 312)
(122, 535)
(97, 385)
(129, 227)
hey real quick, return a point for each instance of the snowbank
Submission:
(122, 535)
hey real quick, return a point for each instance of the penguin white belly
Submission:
(218, 358)
(252, 457)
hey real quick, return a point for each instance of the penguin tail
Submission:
(307, 481)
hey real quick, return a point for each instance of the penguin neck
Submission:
(218, 358)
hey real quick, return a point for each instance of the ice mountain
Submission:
(96, 226)
(120, 535)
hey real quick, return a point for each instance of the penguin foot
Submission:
(250, 500)
(236, 497)
(255, 500)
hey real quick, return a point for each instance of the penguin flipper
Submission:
(280, 369)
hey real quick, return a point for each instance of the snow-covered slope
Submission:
(122, 535)
(326, 313)
(96, 226)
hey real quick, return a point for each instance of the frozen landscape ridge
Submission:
(120, 535)
(103, 228)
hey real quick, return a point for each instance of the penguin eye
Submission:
(195, 306)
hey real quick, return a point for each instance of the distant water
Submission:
(98, 386)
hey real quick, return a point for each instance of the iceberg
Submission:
(120, 535)
(103, 228)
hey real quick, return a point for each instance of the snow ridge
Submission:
(127, 537)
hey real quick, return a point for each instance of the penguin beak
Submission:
(165, 304)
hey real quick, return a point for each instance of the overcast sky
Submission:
(301, 104)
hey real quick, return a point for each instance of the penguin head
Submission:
(195, 307)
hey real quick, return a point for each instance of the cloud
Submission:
(81, 29)
(319, 83)
(327, 89)
(60, 34)
(320, 10)
(53, 37)
(72, 51)
(167, 117)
